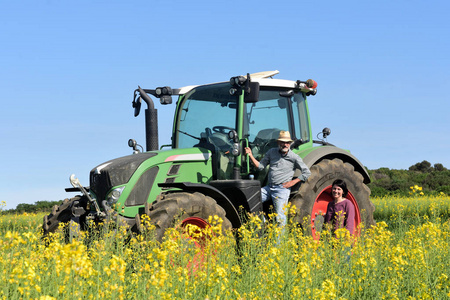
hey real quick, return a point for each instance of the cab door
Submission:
(275, 110)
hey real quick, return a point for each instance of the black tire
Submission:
(172, 207)
(62, 213)
(322, 176)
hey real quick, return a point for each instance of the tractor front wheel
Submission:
(71, 211)
(314, 195)
(182, 208)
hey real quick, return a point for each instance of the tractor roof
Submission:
(264, 79)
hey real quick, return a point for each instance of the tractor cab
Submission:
(226, 117)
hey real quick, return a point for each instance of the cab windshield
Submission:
(206, 115)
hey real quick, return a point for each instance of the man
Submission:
(282, 164)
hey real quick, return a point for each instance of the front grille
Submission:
(115, 172)
(100, 184)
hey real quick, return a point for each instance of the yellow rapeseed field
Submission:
(405, 256)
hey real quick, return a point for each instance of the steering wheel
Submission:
(208, 132)
(222, 129)
(218, 136)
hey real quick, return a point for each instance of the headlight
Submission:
(114, 195)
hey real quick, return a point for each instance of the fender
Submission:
(212, 192)
(330, 152)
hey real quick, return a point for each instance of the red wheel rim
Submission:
(320, 208)
(199, 222)
(199, 259)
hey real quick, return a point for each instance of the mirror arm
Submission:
(146, 98)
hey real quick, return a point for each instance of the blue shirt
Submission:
(282, 167)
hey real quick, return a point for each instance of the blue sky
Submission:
(68, 70)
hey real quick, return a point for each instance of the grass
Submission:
(404, 257)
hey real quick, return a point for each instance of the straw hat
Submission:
(285, 136)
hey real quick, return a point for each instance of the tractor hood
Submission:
(115, 172)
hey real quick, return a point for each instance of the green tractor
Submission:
(205, 171)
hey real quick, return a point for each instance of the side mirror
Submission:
(253, 95)
(137, 106)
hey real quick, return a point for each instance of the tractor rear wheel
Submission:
(182, 208)
(314, 195)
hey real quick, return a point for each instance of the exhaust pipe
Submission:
(151, 122)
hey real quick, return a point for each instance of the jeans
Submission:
(280, 197)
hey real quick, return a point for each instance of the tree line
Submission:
(38, 206)
(433, 179)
